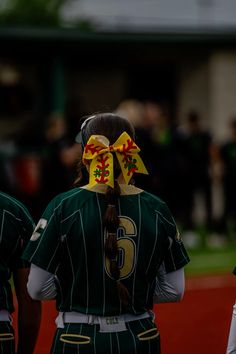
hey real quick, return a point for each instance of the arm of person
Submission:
(41, 284)
(169, 286)
(231, 346)
(29, 313)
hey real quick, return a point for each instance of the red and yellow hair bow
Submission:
(99, 151)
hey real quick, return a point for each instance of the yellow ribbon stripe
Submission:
(99, 151)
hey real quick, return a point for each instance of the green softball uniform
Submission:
(16, 227)
(69, 242)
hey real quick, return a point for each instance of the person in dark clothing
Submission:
(228, 156)
(197, 154)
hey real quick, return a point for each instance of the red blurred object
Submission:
(27, 174)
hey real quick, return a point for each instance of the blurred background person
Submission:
(58, 159)
(166, 158)
(228, 156)
(197, 193)
(135, 112)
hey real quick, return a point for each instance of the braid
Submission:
(111, 223)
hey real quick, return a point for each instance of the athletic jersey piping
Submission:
(86, 260)
(174, 224)
(14, 201)
(138, 242)
(53, 256)
(119, 209)
(16, 245)
(102, 241)
(54, 211)
(3, 218)
(165, 218)
(153, 250)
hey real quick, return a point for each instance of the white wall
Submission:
(193, 91)
(222, 90)
(148, 14)
(209, 87)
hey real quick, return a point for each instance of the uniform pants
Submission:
(141, 337)
(7, 340)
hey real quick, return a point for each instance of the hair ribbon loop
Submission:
(100, 152)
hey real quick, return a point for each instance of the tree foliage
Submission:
(32, 12)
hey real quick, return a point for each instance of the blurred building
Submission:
(194, 50)
(181, 53)
(150, 15)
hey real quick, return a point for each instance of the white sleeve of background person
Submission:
(169, 286)
(41, 284)
(231, 348)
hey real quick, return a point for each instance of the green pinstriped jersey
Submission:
(16, 227)
(69, 242)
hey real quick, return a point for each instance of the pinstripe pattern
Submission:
(86, 265)
(94, 340)
(110, 337)
(50, 219)
(139, 232)
(80, 331)
(54, 254)
(2, 223)
(108, 343)
(11, 255)
(16, 226)
(154, 247)
(118, 343)
(73, 276)
(11, 342)
(39, 243)
(64, 344)
(119, 213)
(102, 247)
(72, 247)
(53, 348)
(7, 347)
(133, 337)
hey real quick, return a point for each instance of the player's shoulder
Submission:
(12, 205)
(156, 203)
(152, 198)
(69, 199)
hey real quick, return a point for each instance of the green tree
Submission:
(32, 12)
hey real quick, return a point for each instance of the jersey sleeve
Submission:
(44, 246)
(21, 225)
(176, 255)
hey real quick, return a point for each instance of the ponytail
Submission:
(111, 224)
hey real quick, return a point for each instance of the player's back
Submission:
(84, 275)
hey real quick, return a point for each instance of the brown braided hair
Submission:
(111, 126)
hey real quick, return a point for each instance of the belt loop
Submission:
(91, 319)
(60, 320)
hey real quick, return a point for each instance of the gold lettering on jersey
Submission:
(128, 225)
(39, 229)
(126, 245)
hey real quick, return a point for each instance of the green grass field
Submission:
(210, 261)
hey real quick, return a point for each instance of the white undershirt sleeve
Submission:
(41, 284)
(231, 347)
(169, 286)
